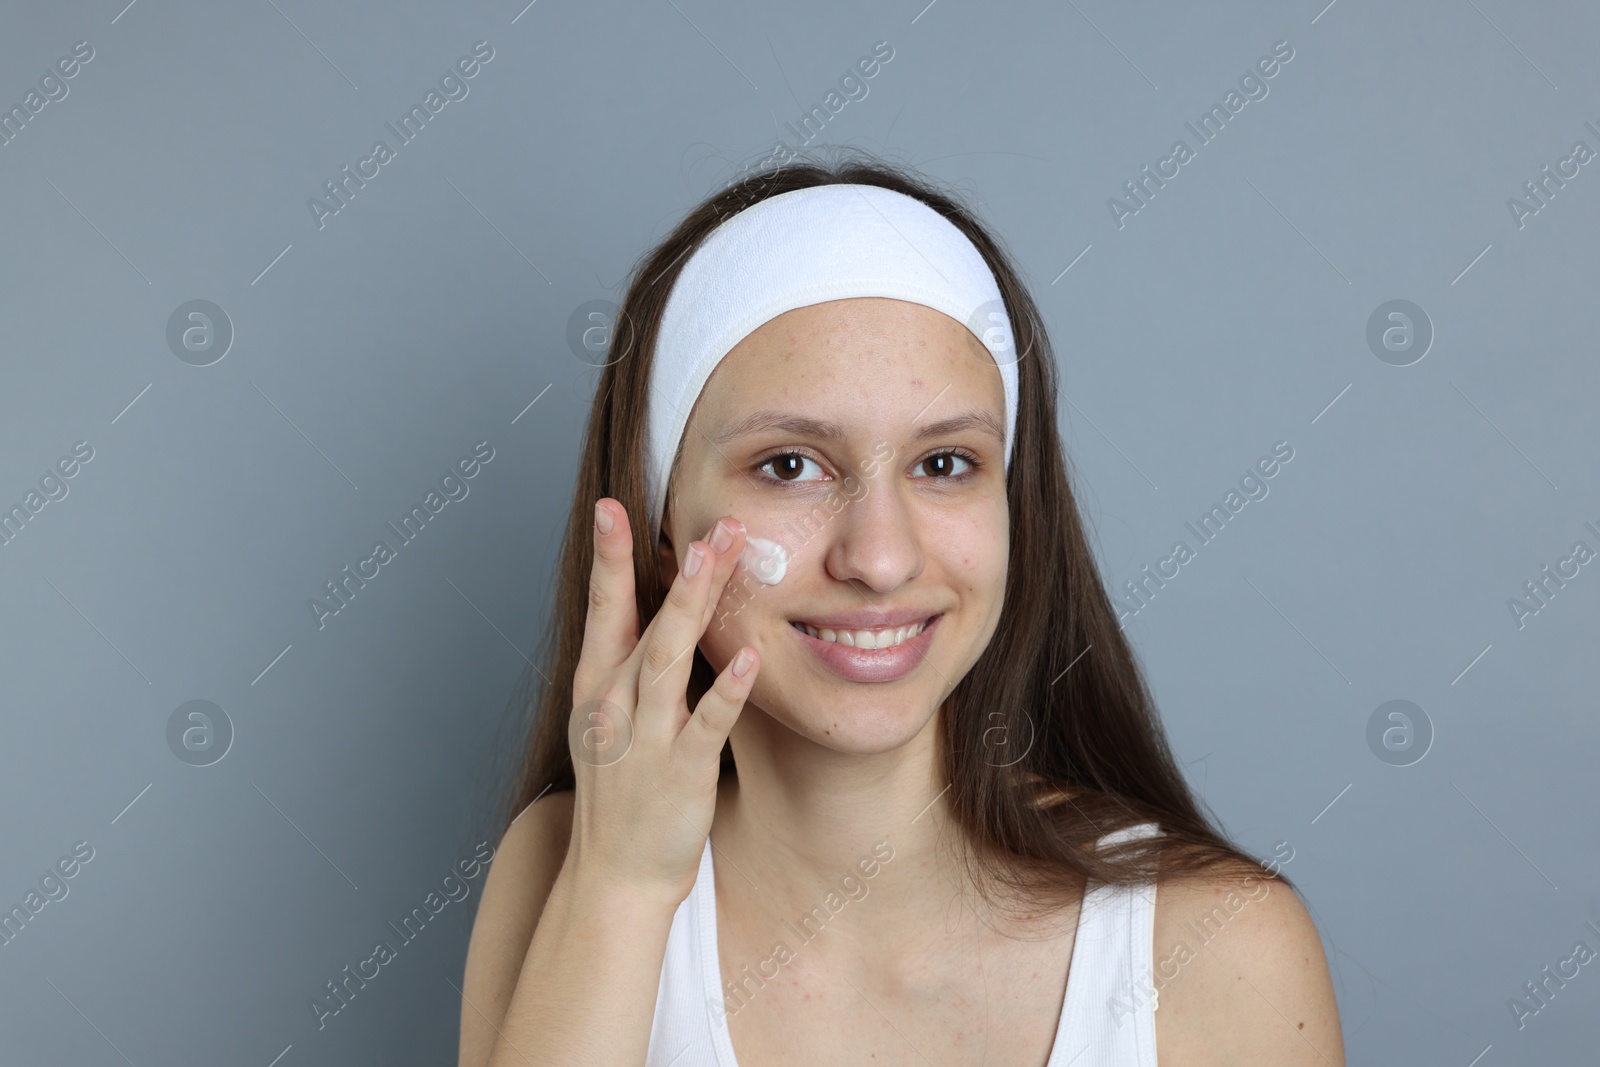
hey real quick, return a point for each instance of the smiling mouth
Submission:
(886, 637)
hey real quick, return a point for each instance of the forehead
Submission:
(873, 357)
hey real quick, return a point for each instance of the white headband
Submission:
(804, 247)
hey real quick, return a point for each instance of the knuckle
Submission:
(608, 557)
(656, 658)
(682, 594)
(728, 693)
(708, 717)
(605, 548)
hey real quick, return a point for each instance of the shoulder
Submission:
(1240, 973)
(524, 869)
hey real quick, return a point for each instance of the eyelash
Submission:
(974, 465)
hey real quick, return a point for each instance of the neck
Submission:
(865, 843)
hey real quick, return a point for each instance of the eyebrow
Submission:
(806, 426)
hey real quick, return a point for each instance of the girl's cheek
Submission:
(736, 596)
(728, 632)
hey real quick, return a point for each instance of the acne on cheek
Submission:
(974, 537)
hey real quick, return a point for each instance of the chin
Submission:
(862, 726)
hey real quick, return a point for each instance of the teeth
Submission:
(866, 638)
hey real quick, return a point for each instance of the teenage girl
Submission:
(842, 757)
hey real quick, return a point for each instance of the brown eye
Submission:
(940, 465)
(788, 466)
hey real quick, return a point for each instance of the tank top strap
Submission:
(690, 1027)
(1108, 1013)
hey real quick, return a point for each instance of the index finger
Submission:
(680, 624)
(611, 627)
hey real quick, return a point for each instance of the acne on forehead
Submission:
(901, 362)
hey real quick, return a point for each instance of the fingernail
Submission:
(742, 662)
(602, 519)
(691, 561)
(721, 538)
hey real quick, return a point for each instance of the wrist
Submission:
(618, 894)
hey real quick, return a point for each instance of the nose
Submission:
(875, 537)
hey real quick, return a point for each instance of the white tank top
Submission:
(1107, 1013)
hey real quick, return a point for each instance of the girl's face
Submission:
(865, 436)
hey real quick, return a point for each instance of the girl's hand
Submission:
(647, 769)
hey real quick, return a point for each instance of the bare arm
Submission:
(562, 968)
(566, 952)
(588, 987)
(527, 863)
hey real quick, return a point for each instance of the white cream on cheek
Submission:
(767, 560)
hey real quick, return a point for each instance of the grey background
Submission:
(370, 354)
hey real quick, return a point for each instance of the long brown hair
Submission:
(1084, 751)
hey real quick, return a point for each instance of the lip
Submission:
(872, 664)
(870, 619)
